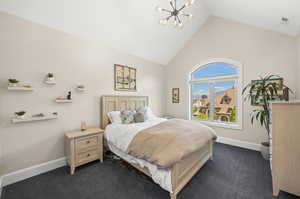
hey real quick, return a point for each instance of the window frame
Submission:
(238, 78)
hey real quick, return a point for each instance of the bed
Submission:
(172, 179)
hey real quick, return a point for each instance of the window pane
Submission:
(225, 103)
(200, 101)
(214, 69)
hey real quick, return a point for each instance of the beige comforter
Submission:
(169, 142)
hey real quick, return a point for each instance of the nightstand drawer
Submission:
(88, 156)
(84, 144)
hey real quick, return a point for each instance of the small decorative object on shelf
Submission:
(50, 79)
(20, 115)
(62, 99)
(36, 117)
(13, 82)
(83, 126)
(81, 88)
(69, 96)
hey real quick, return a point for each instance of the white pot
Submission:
(21, 117)
(50, 79)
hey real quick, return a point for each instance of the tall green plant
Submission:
(265, 90)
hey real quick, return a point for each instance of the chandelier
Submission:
(176, 13)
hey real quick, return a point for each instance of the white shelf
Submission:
(63, 101)
(81, 89)
(32, 119)
(19, 88)
(50, 82)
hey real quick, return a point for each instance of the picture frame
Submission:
(281, 93)
(175, 95)
(125, 78)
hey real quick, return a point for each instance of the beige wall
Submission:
(298, 68)
(27, 52)
(260, 51)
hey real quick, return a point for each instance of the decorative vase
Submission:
(265, 150)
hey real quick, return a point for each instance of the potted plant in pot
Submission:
(13, 82)
(263, 90)
(50, 77)
(20, 115)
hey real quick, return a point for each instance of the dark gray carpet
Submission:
(233, 174)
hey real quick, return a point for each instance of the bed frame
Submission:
(183, 171)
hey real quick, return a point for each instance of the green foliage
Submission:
(233, 115)
(20, 113)
(267, 91)
(202, 116)
(13, 81)
(194, 109)
(50, 75)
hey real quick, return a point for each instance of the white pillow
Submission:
(148, 114)
(115, 117)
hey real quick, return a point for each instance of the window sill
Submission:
(219, 124)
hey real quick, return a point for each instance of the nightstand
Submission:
(83, 147)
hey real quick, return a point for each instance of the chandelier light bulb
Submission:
(190, 16)
(189, 3)
(159, 9)
(163, 21)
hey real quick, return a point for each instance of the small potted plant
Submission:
(13, 82)
(20, 115)
(50, 77)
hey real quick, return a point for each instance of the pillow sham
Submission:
(139, 117)
(114, 117)
(148, 114)
(127, 117)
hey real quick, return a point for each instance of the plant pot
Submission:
(265, 150)
(21, 117)
(50, 79)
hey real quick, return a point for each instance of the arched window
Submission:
(215, 93)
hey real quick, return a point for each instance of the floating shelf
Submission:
(63, 101)
(32, 119)
(19, 88)
(81, 89)
(50, 82)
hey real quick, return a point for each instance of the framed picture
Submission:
(175, 95)
(125, 78)
(281, 95)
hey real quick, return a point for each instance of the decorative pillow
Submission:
(139, 117)
(127, 117)
(148, 114)
(114, 117)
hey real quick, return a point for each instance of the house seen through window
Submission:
(214, 93)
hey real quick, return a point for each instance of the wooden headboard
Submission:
(120, 102)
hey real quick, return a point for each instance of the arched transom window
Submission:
(215, 94)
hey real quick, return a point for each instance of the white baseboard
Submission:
(238, 143)
(23, 174)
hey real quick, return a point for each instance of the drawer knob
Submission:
(87, 142)
(88, 155)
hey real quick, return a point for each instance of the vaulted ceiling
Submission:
(132, 25)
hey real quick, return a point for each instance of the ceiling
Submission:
(262, 13)
(132, 25)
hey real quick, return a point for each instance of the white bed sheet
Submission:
(119, 137)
